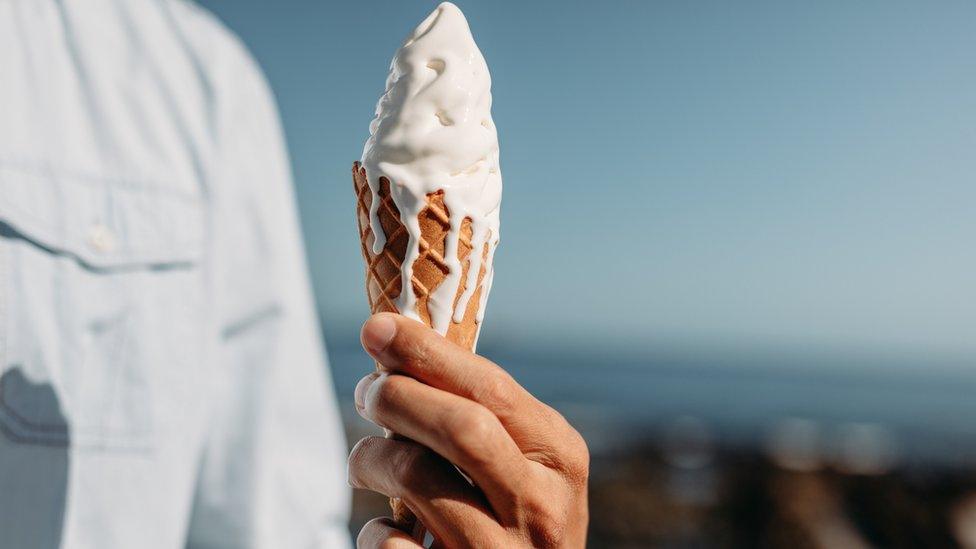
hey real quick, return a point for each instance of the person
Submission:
(162, 382)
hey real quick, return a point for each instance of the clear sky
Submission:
(695, 172)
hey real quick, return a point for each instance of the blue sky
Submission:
(697, 173)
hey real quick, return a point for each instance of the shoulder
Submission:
(222, 57)
(203, 31)
(242, 109)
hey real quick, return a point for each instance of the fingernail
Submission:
(361, 389)
(378, 332)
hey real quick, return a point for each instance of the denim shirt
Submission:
(162, 381)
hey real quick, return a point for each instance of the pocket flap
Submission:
(103, 224)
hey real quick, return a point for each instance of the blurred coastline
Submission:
(923, 411)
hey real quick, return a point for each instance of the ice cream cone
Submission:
(384, 275)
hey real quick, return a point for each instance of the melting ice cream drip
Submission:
(433, 131)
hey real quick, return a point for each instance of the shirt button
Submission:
(101, 238)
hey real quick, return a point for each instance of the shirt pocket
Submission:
(102, 296)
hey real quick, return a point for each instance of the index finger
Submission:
(407, 347)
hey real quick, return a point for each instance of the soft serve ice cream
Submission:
(433, 131)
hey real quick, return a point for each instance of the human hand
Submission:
(529, 467)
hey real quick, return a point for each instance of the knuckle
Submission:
(574, 455)
(557, 419)
(497, 393)
(473, 433)
(546, 526)
(578, 458)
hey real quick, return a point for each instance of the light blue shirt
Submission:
(162, 381)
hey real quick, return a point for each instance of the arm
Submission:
(529, 467)
(272, 475)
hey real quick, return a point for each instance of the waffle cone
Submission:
(383, 274)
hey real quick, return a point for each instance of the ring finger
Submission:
(430, 486)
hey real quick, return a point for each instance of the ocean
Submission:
(922, 411)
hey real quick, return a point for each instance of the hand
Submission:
(528, 465)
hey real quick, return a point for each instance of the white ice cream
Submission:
(433, 130)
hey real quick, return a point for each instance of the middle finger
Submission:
(464, 432)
